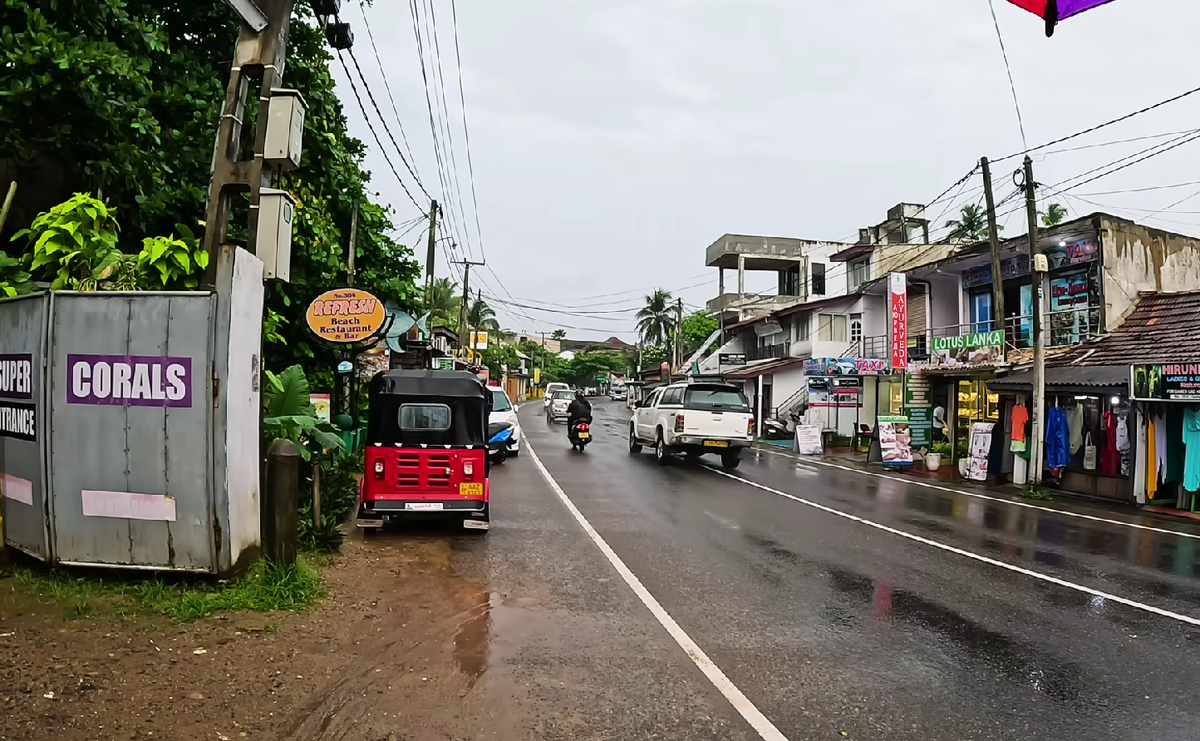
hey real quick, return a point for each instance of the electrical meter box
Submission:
(1041, 263)
(274, 244)
(285, 129)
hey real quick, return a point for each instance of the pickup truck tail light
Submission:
(750, 427)
(379, 468)
(679, 423)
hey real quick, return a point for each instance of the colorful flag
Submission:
(1054, 11)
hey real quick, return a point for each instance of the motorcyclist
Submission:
(579, 410)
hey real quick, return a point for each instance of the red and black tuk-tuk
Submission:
(426, 449)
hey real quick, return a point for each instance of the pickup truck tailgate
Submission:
(715, 423)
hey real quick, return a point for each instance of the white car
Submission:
(503, 412)
(549, 394)
(694, 419)
(559, 403)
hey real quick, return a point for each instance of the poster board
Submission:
(918, 405)
(321, 402)
(978, 449)
(808, 440)
(895, 441)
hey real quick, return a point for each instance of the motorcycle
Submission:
(580, 433)
(500, 440)
(774, 429)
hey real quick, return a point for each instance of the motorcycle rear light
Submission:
(583, 426)
(679, 423)
(378, 469)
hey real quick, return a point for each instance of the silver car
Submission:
(557, 409)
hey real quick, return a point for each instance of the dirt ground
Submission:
(393, 652)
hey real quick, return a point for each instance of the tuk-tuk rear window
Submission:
(425, 417)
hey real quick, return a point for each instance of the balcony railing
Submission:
(777, 351)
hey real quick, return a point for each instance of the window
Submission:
(673, 395)
(832, 328)
(425, 417)
(802, 327)
(715, 397)
(653, 400)
(981, 311)
(818, 279)
(856, 333)
(500, 402)
(859, 272)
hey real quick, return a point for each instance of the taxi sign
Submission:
(345, 315)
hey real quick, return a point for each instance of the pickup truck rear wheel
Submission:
(634, 446)
(660, 450)
(731, 460)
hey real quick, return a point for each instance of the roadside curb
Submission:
(1110, 515)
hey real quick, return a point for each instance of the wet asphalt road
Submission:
(830, 627)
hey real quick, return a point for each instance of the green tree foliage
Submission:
(970, 226)
(122, 98)
(289, 414)
(442, 302)
(696, 328)
(586, 367)
(559, 334)
(1055, 214)
(481, 317)
(656, 320)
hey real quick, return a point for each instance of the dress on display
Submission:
(1191, 438)
(1110, 459)
(1057, 438)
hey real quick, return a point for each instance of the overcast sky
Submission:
(613, 140)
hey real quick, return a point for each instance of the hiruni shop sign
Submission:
(1168, 382)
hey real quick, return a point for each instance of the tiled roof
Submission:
(1162, 328)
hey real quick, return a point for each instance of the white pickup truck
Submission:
(693, 419)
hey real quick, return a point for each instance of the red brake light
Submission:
(583, 426)
(679, 423)
(750, 426)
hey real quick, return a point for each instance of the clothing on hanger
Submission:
(1174, 436)
(1057, 438)
(1020, 415)
(1122, 432)
(1075, 427)
(1110, 457)
(1160, 446)
(1151, 459)
(1191, 438)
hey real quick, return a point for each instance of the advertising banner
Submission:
(321, 403)
(968, 349)
(1069, 309)
(846, 367)
(808, 440)
(898, 293)
(919, 407)
(345, 315)
(895, 441)
(977, 452)
(730, 358)
(1170, 382)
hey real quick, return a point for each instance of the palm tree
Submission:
(559, 334)
(656, 320)
(481, 317)
(1055, 214)
(442, 303)
(970, 226)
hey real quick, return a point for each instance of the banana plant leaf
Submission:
(1053, 11)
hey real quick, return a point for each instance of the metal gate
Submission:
(23, 423)
(130, 401)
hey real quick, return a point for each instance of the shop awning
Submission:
(754, 371)
(1071, 376)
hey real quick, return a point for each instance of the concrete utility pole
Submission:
(350, 256)
(994, 238)
(678, 329)
(260, 55)
(429, 253)
(1038, 413)
(463, 310)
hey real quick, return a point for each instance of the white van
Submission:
(550, 389)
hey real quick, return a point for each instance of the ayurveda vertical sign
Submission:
(898, 295)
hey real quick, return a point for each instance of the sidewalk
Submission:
(1067, 503)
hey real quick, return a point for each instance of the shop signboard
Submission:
(1076, 252)
(968, 349)
(823, 396)
(447, 364)
(808, 440)
(1069, 309)
(1168, 382)
(895, 441)
(479, 341)
(18, 415)
(322, 405)
(898, 295)
(919, 407)
(1010, 269)
(977, 451)
(846, 367)
(345, 315)
(732, 358)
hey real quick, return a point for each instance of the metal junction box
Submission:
(274, 243)
(285, 129)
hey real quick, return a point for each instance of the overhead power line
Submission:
(382, 120)
(466, 130)
(362, 7)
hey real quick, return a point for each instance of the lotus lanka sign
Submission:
(345, 315)
(977, 348)
(129, 380)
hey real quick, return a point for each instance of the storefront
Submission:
(954, 385)
(1088, 448)
(846, 396)
(1168, 435)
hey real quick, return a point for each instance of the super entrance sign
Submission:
(16, 377)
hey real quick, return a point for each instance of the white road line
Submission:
(966, 554)
(765, 729)
(977, 495)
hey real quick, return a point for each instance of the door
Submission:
(645, 416)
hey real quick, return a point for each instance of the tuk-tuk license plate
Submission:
(470, 490)
(423, 506)
(716, 443)
(584, 435)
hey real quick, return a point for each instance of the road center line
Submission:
(965, 554)
(765, 729)
(977, 495)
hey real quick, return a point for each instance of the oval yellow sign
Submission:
(345, 315)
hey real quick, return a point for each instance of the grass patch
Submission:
(267, 587)
(1040, 495)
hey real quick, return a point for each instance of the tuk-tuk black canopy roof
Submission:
(447, 384)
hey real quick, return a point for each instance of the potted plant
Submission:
(933, 459)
